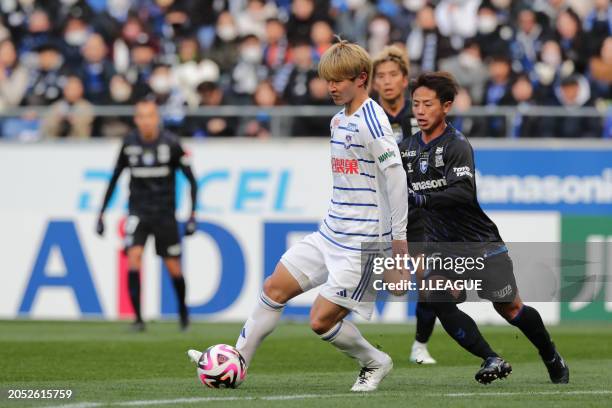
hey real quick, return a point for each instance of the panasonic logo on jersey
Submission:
(425, 185)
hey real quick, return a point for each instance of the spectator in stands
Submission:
(76, 32)
(169, 98)
(405, 17)
(71, 116)
(97, 70)
(39, 31)
(474, 126)
(322, 36)
(601, 71)
(260, 126)
(249, 71)
(598, 24)
(211, 94)
(276, 47)
(292, 80)
(496, 89)
(492, 37)
(142, 56)
(301, 20)
(550, 63)
(314, 126)
(121, 93)
(528, 40)
(44, 87)
(352, 17)
(457, 19)
(573, 92)
(425, 44)
(379, 34)
(64, 10)
(573, 42)
(13, 76)
(252, 20)
(132, 31)
(469, 70)
(188, 49)
(523, 96)
(224, 49)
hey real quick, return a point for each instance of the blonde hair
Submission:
(395, 54)
(345, 60)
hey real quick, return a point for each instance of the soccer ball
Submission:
(221, 366)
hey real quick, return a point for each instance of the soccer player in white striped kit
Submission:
(369, 204)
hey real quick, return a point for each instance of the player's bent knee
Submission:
(319, 325)
(275, 291)
(281, 286)
(508, 310)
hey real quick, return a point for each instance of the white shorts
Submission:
(315, 261)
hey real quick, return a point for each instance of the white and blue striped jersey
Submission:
(362, 146)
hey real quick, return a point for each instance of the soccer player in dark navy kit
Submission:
(391, 78)
(439, 163)
(153, 156)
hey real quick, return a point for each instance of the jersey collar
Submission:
(397, 118)
(448, 131)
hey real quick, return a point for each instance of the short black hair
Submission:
(441, 82)
(146, 98)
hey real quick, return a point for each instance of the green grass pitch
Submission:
(105, 365)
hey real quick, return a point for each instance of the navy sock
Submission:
(425, 322)
(462, 329)
(134, 290)
(529, 321)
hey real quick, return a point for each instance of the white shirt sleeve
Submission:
(397, 192)
(383, 147)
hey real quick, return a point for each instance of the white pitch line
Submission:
(311, 396)
(510, 394)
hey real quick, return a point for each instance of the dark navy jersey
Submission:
(443, 170)
(152, 168)
(404, 126)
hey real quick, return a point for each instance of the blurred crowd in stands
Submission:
(71, 55)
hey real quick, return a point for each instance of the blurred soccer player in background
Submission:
(441, 172)
(153, 156)
(391, 79)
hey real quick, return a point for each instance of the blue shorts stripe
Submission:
(363, 279)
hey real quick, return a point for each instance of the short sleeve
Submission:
(379, 137)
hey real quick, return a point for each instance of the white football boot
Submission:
(194, 355)
(420, 354)
(369, 377)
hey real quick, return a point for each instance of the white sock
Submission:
(263, 321)
(419, 344)
(347, 338)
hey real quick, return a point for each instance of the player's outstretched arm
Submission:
(397, 192)
(185, 167)
(119, 166)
